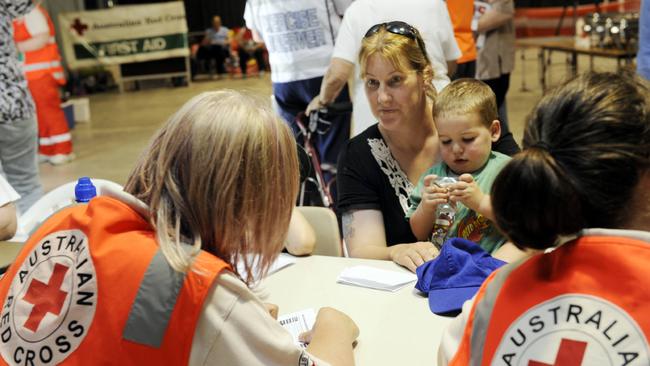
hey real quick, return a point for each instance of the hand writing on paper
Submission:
(272, 309)
(331, 323)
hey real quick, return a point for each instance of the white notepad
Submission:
(282, 261)
(298, 323)
(375, 278)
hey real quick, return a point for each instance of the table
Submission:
(567, 45)
(396, 328)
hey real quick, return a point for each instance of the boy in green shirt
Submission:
(465, 115)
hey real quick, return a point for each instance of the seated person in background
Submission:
(466, 116)
(583, 177)
(215, 45)
(153, 270)
(8, 221)
(301, 238)
(247, 48)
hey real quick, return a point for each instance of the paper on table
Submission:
(282, 261)
(298, 322)
(375, 278)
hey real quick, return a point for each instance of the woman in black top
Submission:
(378, 168)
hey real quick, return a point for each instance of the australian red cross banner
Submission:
(131, 33)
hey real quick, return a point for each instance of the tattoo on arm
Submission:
(348, 225)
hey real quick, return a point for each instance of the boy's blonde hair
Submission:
(465, 96)
(402, 52)
(222, 175)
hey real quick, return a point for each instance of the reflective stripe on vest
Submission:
(483, 312)
(154, 304)
(41, 66)
(56, 139)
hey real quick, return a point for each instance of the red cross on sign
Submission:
(78, 26)
(46, 297)
(570, 353)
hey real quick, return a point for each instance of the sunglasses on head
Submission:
(399, 28)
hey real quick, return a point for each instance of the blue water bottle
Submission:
(85, 190)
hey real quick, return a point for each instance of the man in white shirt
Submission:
(299, 36)
(430, 17)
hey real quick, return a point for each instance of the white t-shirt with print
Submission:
(299, 35)
(430, 17)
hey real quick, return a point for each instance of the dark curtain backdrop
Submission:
(199, 12)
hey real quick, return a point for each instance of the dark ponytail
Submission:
(586, 144)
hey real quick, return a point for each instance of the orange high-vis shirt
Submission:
(44, 60)
(586, 303)
(91, 287)
(461, 13)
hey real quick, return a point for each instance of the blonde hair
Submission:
(222, 175)
(465, 96)
(401, 51)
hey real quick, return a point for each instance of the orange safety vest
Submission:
(461, 13)
(91, 287)
(44, 60)
(586, 303)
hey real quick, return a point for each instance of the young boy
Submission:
(465, 114)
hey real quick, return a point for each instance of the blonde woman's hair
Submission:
(465, 96)
(401, 51)
(221, 175)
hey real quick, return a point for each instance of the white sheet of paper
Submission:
(298, 322)
(375, 278)
(282, 261)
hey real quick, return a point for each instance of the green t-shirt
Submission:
(469, 224)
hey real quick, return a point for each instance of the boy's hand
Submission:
(432, 194)
(467, 192)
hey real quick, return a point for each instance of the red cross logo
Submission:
(78, 26)
(570, 353)
(46, 297)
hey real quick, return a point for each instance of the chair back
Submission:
(52, 202)
(325, 225)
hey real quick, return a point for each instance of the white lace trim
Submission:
(394, 173)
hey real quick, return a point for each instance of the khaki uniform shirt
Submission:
(497, 56)
(236, 329)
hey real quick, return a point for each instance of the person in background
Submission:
(156, 271)
(8, 221)
(430, 17)
(643, 55)
(34, 35)
(496, 59)
(465, 115)
(247, 48)
(18, 129)
(215, 45)
(580, 186)
(299, 36)
(461, 13)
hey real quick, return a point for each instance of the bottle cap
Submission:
(84, 190)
